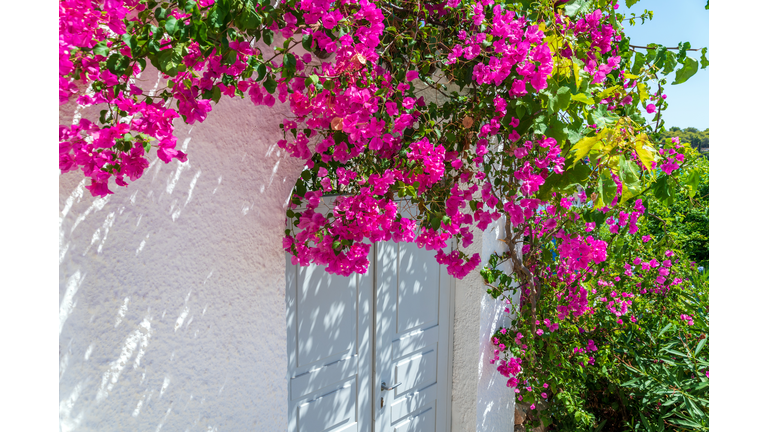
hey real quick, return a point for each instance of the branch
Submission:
(669, 48)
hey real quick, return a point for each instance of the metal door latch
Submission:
(384, 386)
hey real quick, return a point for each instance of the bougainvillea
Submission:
(429, 119)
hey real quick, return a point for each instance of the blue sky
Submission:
(677, 21)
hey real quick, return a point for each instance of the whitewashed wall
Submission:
(172, 293)
(481, 399)
(172, 310)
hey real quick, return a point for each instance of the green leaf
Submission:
(602, 117)
(606, 188)
(216, 94)
(268, 37)
(629, 3)
(101, 48)
(130, 41)
(289, 66)
(688, 70)
(608, 92)
(576, 6)
(630, 179)
(638, 64)
(704, 61)
(578, 175)
(261, 70)
(700, 345)
(306, 42)
(582, 148)
(661, 189)
(270, 85)
(118, 63)
(170, 25)
(583, 98)
(561, 100)
(435, 223)
(170, 59)
(216, 16)
(693, 181)
(668, 326)
(250, 20)
(670, 62)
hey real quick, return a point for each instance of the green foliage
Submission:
(696, 138)
(684, 222)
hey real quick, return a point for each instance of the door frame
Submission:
(375, 373)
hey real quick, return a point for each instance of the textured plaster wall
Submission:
(172, 291)
(481, 401)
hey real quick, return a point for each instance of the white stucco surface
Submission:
(495, 401)
(481, 400)
(172, 292)
(172, 310)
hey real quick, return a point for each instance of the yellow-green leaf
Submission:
(645, 150)
(608, 92)
(630, 76)
(583, 147)
(642, 91)
(583, 98)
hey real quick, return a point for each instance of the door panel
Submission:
(418, 292)
(329, 322)
(421, 421)
(331, 411)
(412, 338)
(329, 307)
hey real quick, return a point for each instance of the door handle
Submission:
(384, 386)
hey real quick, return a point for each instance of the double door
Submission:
(370, 352)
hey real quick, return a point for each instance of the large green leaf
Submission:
(101, 49)
(561, 100)
(693, 181)
(581, 97)
(171, 25)
(170, 59)
(565, 182)
(630, 179)
(606, 188)
(603, 117)
(270, 85)
(576, 6)
(688, 70)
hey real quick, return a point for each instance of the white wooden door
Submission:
(412, 340)
(347, 335)
(329, 323)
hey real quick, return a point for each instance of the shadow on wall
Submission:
(495, 401)
(172, 310)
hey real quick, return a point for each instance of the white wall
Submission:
(172, 290)
(481, 399)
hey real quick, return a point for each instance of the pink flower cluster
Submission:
(672, 158)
